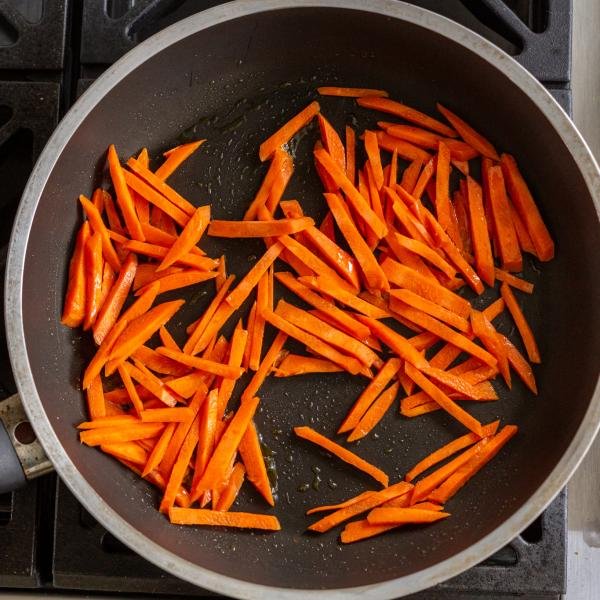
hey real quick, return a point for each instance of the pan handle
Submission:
(21, 454)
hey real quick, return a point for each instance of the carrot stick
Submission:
(279, 164)
(406, 112)
(98, 226)
(331, 141)
(399, 516)
(349, 457)
(75, 301)
(265, 366)
(113, 303)
(159, 237)
(360, 506)
(229, 494)
(374, 413)
(525, 242)
(369, 395)
(294, 364)
(141, 329)
(350, 92)
(94, 266)
(327, 228)
(109, 421)
(252, 456)
(130, 451)
(96, 404)
(479, 232)
(457, 383)
(128, 433)
(202, 364)
(239, 340)
(464, 441)
(402, 148)
(469, 135)
(424, 251)
(527, 208)
(158, 452)
(519, 364)
(460, 477)
(374, 157)
(166, 415)
(240, 520)
(485, 331)
(236, 298)
(442, 188)
(344, 504)
(152, 383)
(186, 385)
(108, 279)
(350, 154)
(228, 445)
(176, 281)
(131, 389)
(247, 229)
(285, 133)
(521, 322)
(175, 157)
(191, 259)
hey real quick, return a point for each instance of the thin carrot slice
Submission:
(247, 229)
(402, 148)
(360, 506)
(479, 232)
(370, 394)
(425, 252)
(525, 242)
(167, 339)
(186, 385)
(285, 133)
(166, 415)
(400, 516)
(350, 92)
(124, 199)
(519, 364)
(239, 341)
(159, 237)
(332, 142)
(374, 413)
(462, 475)
(458, 383)
(202, 364)
(240, 520)
(344, 504)
(95, 399)
(406, 112)
(443, 400)
(176, 281)
(228, 445)
(265, 366)
(294, 364)
(253, 459)
(464, 441)
(130, 451)
(175, 157)
(350, 154)
(108, 280)
(152, 383)
(442, 188)
(349, 457)
(191, 259)
(206, 441)
(75, 301)
(229, 494)
(279, 164)
(374, 157)
(109, 421)
(158, 452)
(128, 433)
(94, 267)
(113, 303)
(485, 331)
(527, 208)
(469, 135)
(521, 322)
(131, 388)
(98, 226)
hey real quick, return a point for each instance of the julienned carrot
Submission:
(525, 242)
(130, 451)
(152, 383)
(506, 235)
(442, 187)
(128, 433)
(253, 459)
(519, 364)
(240, 520)
(462, 475)
(332, 142)
(469, 135)
(348, 363)
(94, 267)
(294, 364)
(124, 199)
(175, 157)
(175, 281)
(236, 298)
(521, 322)
(74, 307)
(408, 259)
(374, 413)
(464, 441)
(158, 452)
(95, 399)
(346, 503)
(431, 308)
(350, 92)
(190, 259)
(186, 385)
(425, 252)
(326, 332)
(370, 394)
(284, 134)
(399, 516)
(374, 276)
(457, 383)
(527, 208)
(320, 440)
(188, 238)
(109, 421)
(514, 281)
(93, 214)
(132, 391)
(362, 505)
(166, 415)
(247, 229)
(411, 280)
(485, 331)
(231, 490)
(239, 341)
(160, 237)
(443, 400)
(167, 339)
(479, 232)
(228, 445)
(108, 279)
(407, 113)
(402, 148)
(374, 157)
(202, 364)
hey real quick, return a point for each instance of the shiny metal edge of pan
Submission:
(16, 338)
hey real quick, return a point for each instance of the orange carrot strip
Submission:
(506, 236)
(527, 208)
(519, 364)
(175, 157)
(374, 413)
(402, 148)
(186, 385)
(159, 184)
(252, 456)
(158, 452)
(485, 331)
(202, 364)
(239, 340)
(285, 133)
(124, 199)
(349, 457)
(228, 445)
(109, 421)
(366, 503)
(203, 263)
(425, 252)
(176, 281)
(128, 433)
(75, 301)
(130, 451)
(442, 188)
(167, 339)
(350, 154)
(255, 337)
(114, 221)
(229, 494)
(250, 280)
(462, 475)
(469, 135)
(98, 226)
(406, 112)
(369, 395)
(240, 520)
(424, 178)
(294, 364)
(279, 164)
(247, 229)
(457, 383)
(443, 400)
(525, 241)
(95, 399)
(166, 415)
(464, 441)
(131, 389)
(265, 366)
(521, 322)
(94, 266)
(400, 516)
(159, 237)
(479, 232)
(152, 383)
(515, 282)
(350, 92)
(108, 280)
(344, 504)
(372, 150)
(332, 142)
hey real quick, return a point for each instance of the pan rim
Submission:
(86, 494)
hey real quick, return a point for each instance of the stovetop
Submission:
(51, 51)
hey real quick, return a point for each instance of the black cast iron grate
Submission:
(46, 43)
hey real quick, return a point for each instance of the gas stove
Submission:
(50, 52)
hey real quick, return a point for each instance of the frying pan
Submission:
(232, 74)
